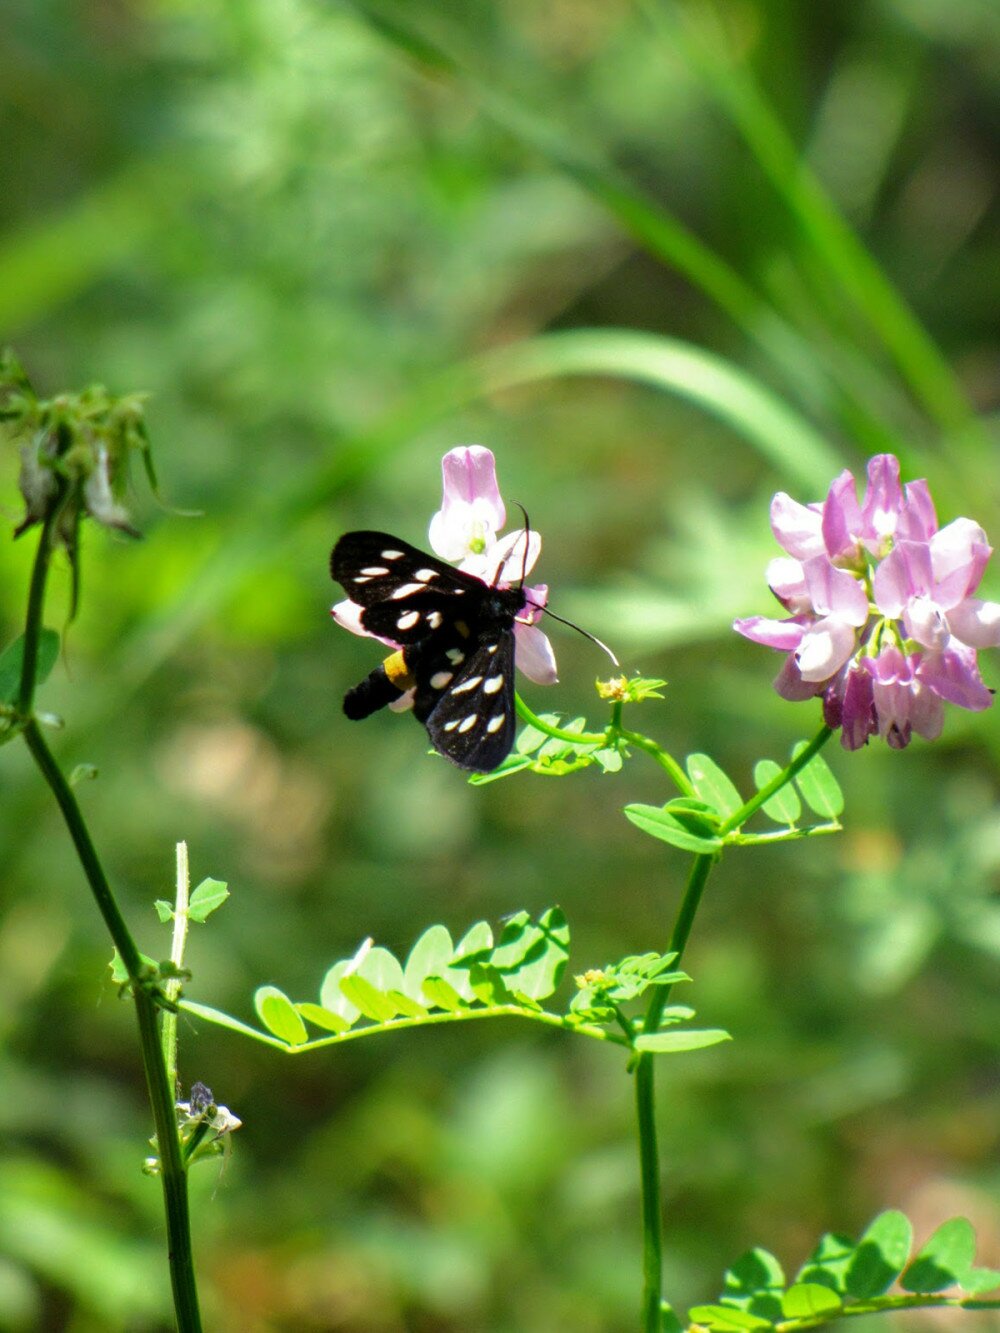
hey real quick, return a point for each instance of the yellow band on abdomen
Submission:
(395, 668)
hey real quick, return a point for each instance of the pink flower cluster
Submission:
(884, 620)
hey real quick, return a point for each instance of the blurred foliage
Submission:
(319, 234)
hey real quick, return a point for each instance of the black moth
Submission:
(456, 637)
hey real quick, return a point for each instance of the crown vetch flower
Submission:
(884, 621)
(464, 531)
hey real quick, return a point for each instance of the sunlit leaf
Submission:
(725, 1318)
(366, 997)
(819, 788)
(880, 1256)
(688, 1039)
(784, 807)
(804, 1300)
(440, 995)
(332, 997)
(276, 1011)
(323, 1018)
(945, 1259)
(429, 957)
(209, 895)
(659, 823)
(714, 786)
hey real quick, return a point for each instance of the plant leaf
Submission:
(945, 1259)
(368, 998)
(784, 807)
(12, 662)
(659, 823)
(714, 786)
(829, 1262)
(804, 1300)
(331, 997)
(209, 895)
(323, 1018)
(880, 1255)
(441, 995)
(725, 1318)
(276, 1011)
(429, 957)
(688, 1039)
(819, 788)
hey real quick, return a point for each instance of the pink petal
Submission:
(785, 635)
(917, 519)
(797, 527)
(534, 655)
(960, 552)
(857, 709)
(538, 596)
(348, 616)
(903, 574)
(790, 685)
(883, 498)
(926, 711)
(506, 562)
(841, 517)
(472, 511)
(824, 649)
(835, 592)
(976, 623)
(954, 675)
(926, 623)
(788, 583)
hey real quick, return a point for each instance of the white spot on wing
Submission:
(408, 620)
(434, 619)
(454, 655)
(406, 590)
(425, 575)
(450, 726)
(467, 685)
(493, 684)
(440, 679)
(495, 723)
(491, 649)
(374, 571)
(392, 555)
(362, 578)
(467, 723)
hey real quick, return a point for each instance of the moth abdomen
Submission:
(382, 686)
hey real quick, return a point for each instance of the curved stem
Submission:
(161, 1096)
(666, 761)
(558, 733)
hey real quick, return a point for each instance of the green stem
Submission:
(161, 1096)
(666, 761)
(33, 618)
(547, 729)
(614, 732)
(172, 988)
(160, 1092)
(645, 1102)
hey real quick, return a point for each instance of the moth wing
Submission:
(473, 722)
(374, 567)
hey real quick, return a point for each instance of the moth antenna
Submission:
(586, 633)
(527, 533)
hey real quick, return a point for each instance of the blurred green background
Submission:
(333, 241)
